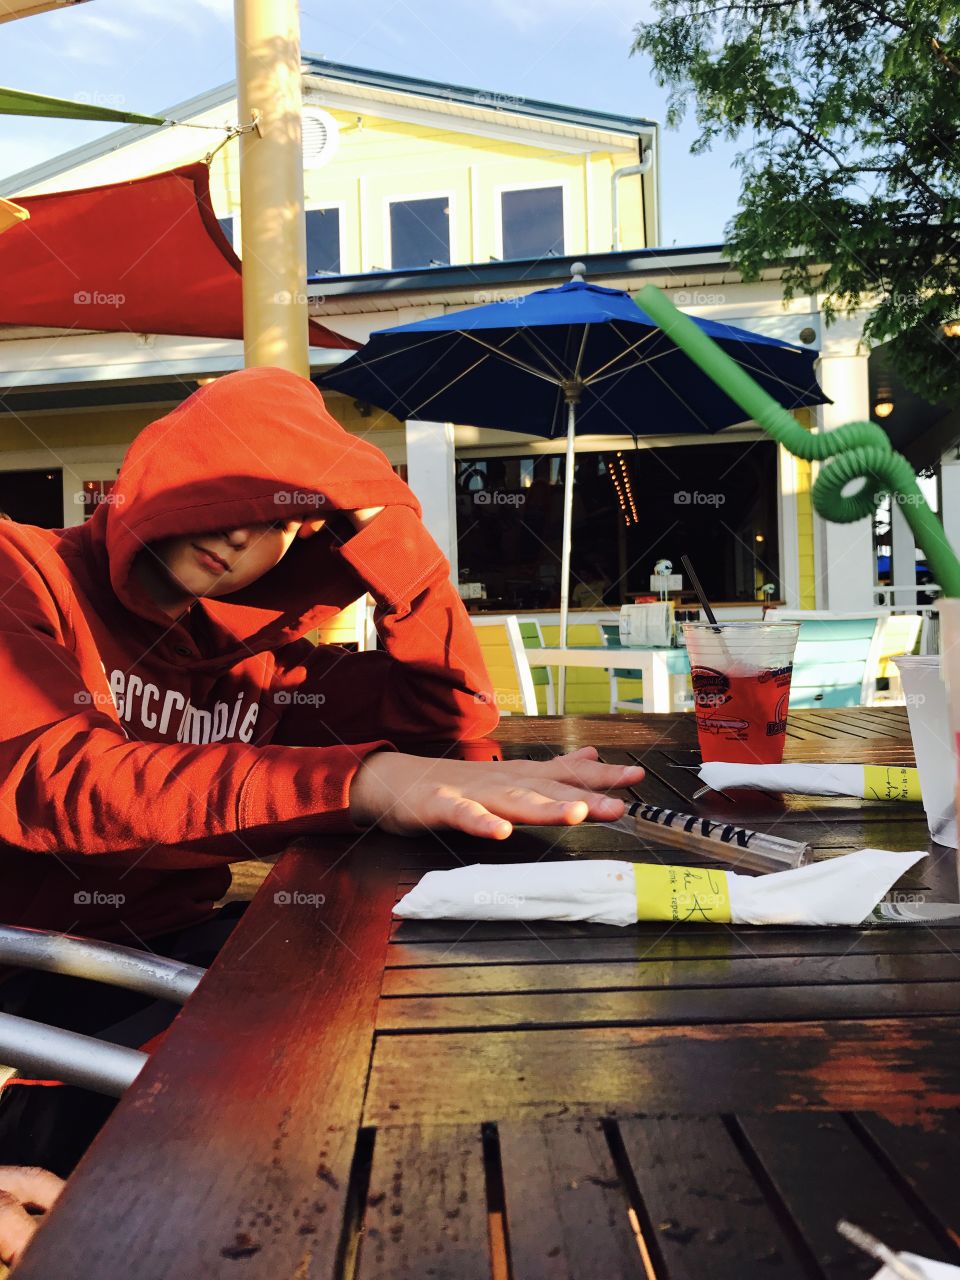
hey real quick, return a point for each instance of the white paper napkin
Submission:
(878, 782)
(841, 891)
(928, 1269)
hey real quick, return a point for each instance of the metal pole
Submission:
(51, 1053)
(108, 962)
(273, 236)
(567, 543)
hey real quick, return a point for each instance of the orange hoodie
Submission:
(139, 757)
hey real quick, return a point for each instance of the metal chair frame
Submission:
(76, 1059)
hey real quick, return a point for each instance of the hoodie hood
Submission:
(251, 447)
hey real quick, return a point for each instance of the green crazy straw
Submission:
(856, 451)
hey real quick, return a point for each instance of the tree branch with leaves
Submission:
(848, 112)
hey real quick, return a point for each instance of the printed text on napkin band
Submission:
(890, 782)
(681, 893)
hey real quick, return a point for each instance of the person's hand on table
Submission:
(406, 793)
(22, 1189)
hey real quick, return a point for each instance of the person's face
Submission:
(180, 569)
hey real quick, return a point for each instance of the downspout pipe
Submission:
(626, 172)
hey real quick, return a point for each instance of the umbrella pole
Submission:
(565, 553)
(274, 248)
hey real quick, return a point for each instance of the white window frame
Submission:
(76, 462)
(419, 195)
(498, 193)
(340, 206)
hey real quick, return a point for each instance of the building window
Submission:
(631, 507)
(323, 242)
(420, 232)
(532, 223)
(96, 492)
(33, 497)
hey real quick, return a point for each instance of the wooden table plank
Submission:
(921, 1156)
(704, 1214)
(681, 1007)
(822, 1172)
(820, 726)
(426, 1209)
(629, 975)
(641, 945)
(567, 1214)
(906, 1069)
(234, 1147)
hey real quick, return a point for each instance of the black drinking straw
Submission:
(695, 583)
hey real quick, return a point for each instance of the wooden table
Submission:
(348, 1097)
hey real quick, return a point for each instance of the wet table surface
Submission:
(349, 1096)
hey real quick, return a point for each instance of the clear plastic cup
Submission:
(741, 687)
(949, 610)
(929, 717)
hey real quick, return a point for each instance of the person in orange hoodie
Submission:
(164, 714)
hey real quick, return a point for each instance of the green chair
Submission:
(542, 677)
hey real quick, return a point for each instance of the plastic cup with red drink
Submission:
(741, 675)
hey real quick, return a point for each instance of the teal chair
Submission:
(678, 664)
(831, 661)
(610, 635)
(542, 677)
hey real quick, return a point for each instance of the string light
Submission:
(620, 475)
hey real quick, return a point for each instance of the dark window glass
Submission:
(631, 508)
(532, 223)
(226, 226)
(323, 242)
(33, 497)
(420, 232)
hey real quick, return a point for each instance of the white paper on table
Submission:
(928, 1269)
(796, 779)
(841, 891)
(601, 890)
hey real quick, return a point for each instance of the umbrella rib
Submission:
(409, 412)
(510, 358)
(689, 407)
(578, 367)
(647, 363)
(599, 373)
(542, 352)
(643, 363)
(368, 361)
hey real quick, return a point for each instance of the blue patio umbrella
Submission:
(577, 358)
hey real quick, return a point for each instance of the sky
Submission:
(146, 55)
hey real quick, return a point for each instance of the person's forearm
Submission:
(91, 791)
(441, 687)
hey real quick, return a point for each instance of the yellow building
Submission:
(401, 173)
(424, 197)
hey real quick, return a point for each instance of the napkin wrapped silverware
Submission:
(841, 891)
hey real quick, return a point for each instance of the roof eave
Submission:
(519, 270)
(487, 100)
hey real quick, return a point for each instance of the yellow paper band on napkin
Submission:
(890, 782)
(681, 893)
